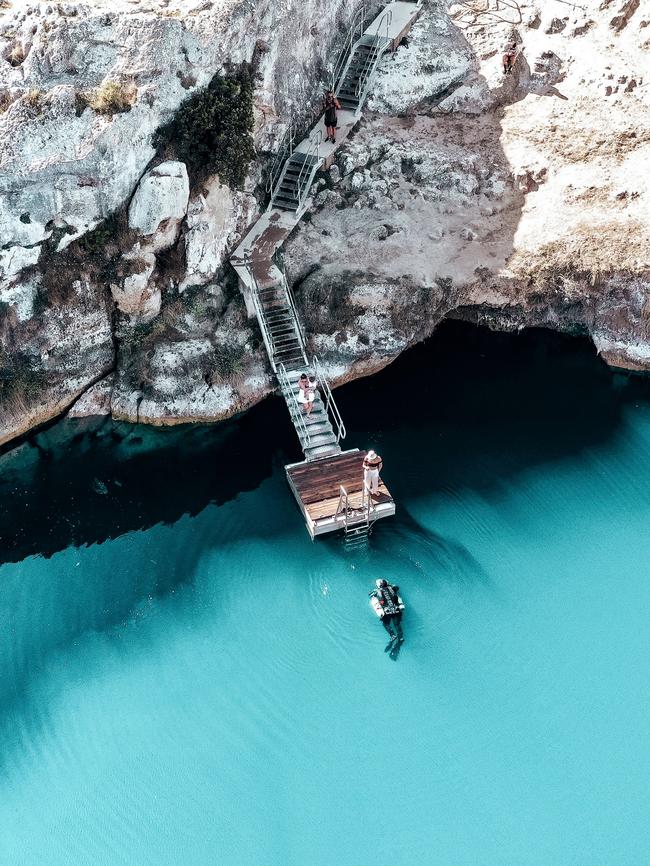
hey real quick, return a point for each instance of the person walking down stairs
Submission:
(372, 466)
(331, 104)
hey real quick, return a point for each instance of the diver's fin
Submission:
(389, 645)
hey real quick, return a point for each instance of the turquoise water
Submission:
(186, 679)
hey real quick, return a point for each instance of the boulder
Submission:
(216, 219)
(160, 204)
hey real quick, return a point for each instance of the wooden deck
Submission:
(316, 488)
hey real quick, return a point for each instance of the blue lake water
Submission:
(185, 678)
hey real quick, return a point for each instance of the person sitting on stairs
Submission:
(307, 392)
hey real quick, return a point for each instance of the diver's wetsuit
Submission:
(392, 618)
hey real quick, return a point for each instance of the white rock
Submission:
(21, 296)
(160, 204)
(136, 296)
(216, 219)
(14, 259)
(96, 401)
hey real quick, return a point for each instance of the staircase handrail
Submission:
(295, 409)
(259, 312)
(284, 152)
(294, 311)
(354, 32)
(380, 45)
(331, 409)
(312, 151)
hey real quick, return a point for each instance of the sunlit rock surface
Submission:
(510, 200)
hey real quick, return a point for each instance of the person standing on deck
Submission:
(331, 104)
(372, 466)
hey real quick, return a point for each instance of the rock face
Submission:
(160, 204)
(83, 88)
(509, 200)
(512, 201)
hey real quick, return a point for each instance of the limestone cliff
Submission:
(511, 200)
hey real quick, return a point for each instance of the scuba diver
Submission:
(387, 604)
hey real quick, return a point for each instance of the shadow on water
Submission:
(465, 411)
(469, 407)
(79, 484)
(473, 408)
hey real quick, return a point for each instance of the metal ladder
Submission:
(357, 534)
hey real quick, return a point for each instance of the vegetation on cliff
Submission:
(212, 130)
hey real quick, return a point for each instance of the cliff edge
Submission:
(509, 200)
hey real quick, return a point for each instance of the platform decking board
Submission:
(321, 479)
(327, 507)
(317, 485)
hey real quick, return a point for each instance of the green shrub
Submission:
(95, 240)
(211, 131)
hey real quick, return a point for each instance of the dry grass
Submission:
(111, 97)
(17, 55)
(34, 99)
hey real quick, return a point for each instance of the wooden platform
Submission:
(316, 488)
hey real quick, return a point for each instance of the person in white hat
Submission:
(372, 466)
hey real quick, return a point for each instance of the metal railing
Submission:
(294, 407)
(354, 32)
(292, 306)
(348, 511)
(343, 501)
(331, 409)
(259, 312)
(308, 167)
(284, 152)
(380, 45)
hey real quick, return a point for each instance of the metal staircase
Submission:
(353, 83)
(321, 431)
(297, 175)
(278, 320)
